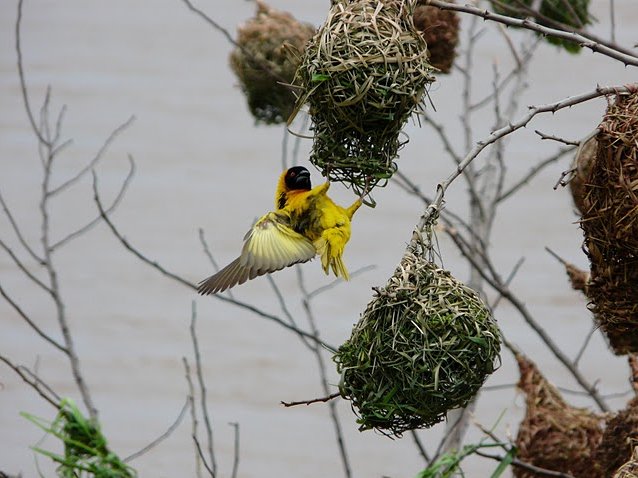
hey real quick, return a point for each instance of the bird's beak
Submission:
(302, 181)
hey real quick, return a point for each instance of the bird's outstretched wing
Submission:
(270, 245)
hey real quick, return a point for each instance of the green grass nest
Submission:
(363, 74)
(424, 345)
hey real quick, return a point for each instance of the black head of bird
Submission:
(297, 178)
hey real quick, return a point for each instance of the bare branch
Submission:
(18, 232)
(99, 155)
(169, 431)
(110, 209)
(202, 391)
(422, 451)
(23, 82)
(556, 138)
(32, 324)
(534, 171)
(599, 46)
(35, 382)
(191, 401)
(526, 466)
(235, 426)
(309, 402)
(24, 269)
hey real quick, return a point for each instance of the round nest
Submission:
(572, 14)
(583, 161)
(621, 434)
(363, 74)
(630, 468)
(610, 223)
(268, 54)
(440, 28)
(553, 434)
(424, 345)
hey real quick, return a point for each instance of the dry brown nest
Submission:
(621, 435)
(553, 434)
(362, 75)
(440, 28)
(268, 54)
(610, 224)
(630, 468)
(424, 345)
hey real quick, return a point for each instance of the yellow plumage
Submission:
(306, 222)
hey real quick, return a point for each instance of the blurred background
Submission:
(201, 162)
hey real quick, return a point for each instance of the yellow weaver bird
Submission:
(306, 222)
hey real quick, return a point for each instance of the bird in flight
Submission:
(305, 223)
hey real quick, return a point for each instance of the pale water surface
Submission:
(201, 162)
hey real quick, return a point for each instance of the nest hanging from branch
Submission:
(610, 224)
(440, 28)
(571, 14)
(363, 74)
(269, 52)
(553, 434)
(424, 345)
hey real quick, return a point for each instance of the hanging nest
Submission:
(610, 224)
(630, 468)
(553, 434)
(621, 434)
(424, 345)
(583, 161)
(567, 14)
(363, 74)
(440, 28)
(268, 54)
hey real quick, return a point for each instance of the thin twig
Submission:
(116, 202)
(558, 139)
(534, 171)
(34, 383)
(600, 46)
(18, 232)
(202, 391)
(32, 324)
(526, 466)
(169, 431)
(314, 400)
(235, 426)
(422, 451)
(91, 164)
(193, 409)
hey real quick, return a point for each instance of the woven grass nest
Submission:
(630, 468)
(621, 435)
(440, 28)
(572, 14)
(269, 52)
(610, 224)
(553, 434)
(363, 74)
(424, 345)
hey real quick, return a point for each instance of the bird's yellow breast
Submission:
(312, 212)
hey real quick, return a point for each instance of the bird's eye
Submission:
(292, 174)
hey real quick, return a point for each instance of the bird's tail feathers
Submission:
(331, 259)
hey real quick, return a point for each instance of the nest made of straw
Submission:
(424, 345)
(568, 14)
(553, 434)
(440, 29)
(265, 60)
(610, 223)
(621, 434)
(630, 468)
(363, 74)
